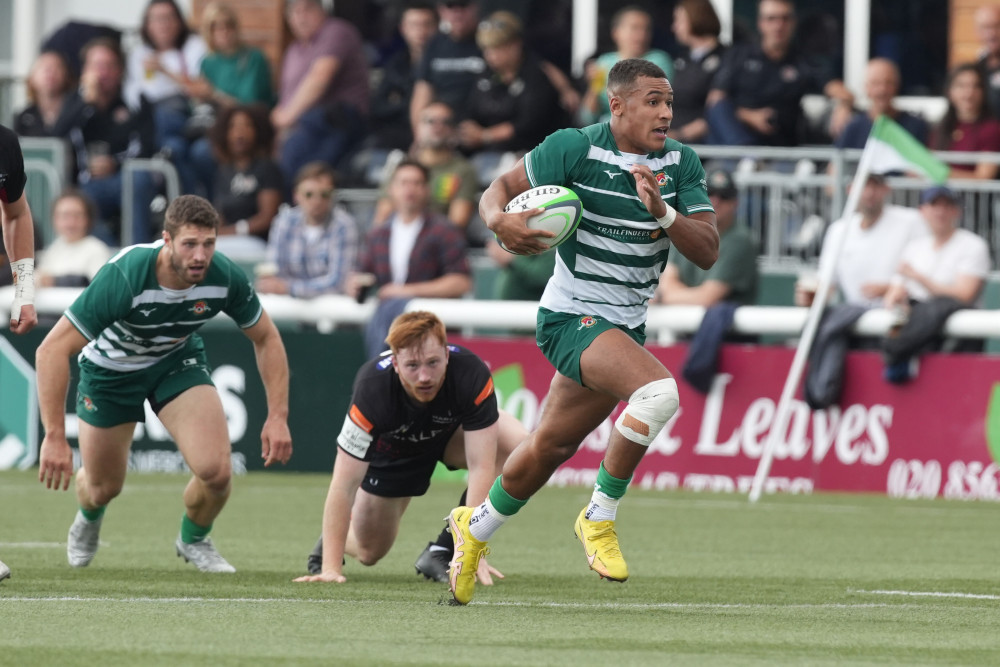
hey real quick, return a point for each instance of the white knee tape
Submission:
(648, 411)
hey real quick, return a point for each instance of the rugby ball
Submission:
(561, 215)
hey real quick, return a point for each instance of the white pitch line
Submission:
(32, 545)
(933, 594)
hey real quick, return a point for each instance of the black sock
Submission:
(444, 540)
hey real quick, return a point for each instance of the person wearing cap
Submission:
(876, 234)
(734, 275)
(502, 112)
(937, 274)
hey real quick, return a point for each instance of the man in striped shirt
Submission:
(134, 329)
(641, 193)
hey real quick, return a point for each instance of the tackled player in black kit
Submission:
(426, 401)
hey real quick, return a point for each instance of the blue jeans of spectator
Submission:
(107, 196)
(195, 164)
(378, 326)
(320, 134)
(725, 129)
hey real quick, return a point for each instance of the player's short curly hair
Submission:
(190, 210)
(624, 73)
(410, 328)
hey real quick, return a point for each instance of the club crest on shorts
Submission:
(88, 404)
(586, 321)
(200, 308)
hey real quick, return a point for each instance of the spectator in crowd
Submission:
(871, 243)
(881, 88)
(390, 112)
(632, 33)
(696, 26)
(314, 245)
(248, 183)
(731, 282)
(937, 275)
(521, 277)
(160, 69)
(105, 133)
(733, 277)
(417, 254)
(757, 93)
(967, 124)
(74, 256)
(453, 180)
(502, 110)
(987, 22)
(323, 99)
(231, 71)
(53, 102)
(452, 61)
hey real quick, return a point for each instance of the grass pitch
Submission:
(820, 580)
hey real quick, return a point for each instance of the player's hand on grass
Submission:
(486, 572)
(55, 467)
(275, 441)
(512, 230)
(329, 577)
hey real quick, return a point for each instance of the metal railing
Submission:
(156, 165)
(41, 194)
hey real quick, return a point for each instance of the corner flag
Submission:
(895, 149)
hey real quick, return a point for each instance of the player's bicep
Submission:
(65, 339)
(348, 473)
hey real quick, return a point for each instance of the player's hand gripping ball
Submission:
(561, 216)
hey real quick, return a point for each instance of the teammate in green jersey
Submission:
(641, 193)
(134, 329)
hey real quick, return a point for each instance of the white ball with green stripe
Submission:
(561, 215)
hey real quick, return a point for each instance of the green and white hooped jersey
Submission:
(132, 321)
(611, 266)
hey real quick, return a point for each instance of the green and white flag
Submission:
(894, 149)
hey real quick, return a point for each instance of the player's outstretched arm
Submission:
(511, 228)
(19, 243)
(52, 357)
(347, 475)
(480, 457)
(695, 236)
(272, 362)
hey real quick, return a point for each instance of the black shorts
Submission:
(403, 477)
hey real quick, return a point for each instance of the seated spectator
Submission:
(871, 243)
(987, 24)
(967, 124)
(757, 94)
(452, 61)
(417, 254)
(696, 26)
(390, 112)
(248, 183)
(870, 253)
(453, 181)
(937, 275)
(313, 246)
(323, 99)
(502, 110)
(231, 71)
(53, 101)
(522, 277)
(160, 69)
(105, 133)
(734, 276)
(632, 33)
(881, 88)
(74, 256)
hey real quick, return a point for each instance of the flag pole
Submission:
(779, 426)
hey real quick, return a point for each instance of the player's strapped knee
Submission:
(648, 411)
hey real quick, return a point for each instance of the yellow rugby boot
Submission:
(465, 561)
(600, 543)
